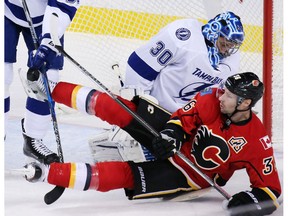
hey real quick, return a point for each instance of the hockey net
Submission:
(105, 33)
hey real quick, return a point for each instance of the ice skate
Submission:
(35, 148)
(36, 172)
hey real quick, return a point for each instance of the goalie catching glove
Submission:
(251, 203)
(167, 145)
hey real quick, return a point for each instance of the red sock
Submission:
(114, 175)
(59, 174)
(62, 93)
(103, 176)
(94, 102)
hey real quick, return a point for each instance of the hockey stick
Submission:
(58, 46)
(19, 172)
(115, 67)
(57, 191)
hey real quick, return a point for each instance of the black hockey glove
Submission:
(219, 180)
(167, 145)
(246, 203)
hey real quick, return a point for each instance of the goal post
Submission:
(105, 33)
(267, 64)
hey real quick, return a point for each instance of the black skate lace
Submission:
(40, 147)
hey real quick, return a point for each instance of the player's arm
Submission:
(259, 201)
(46, 52)
(222, 178)
(65, 10)
(177, 130)
(264, 182)
(146, 62)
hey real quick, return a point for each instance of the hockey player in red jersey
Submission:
(216, 130)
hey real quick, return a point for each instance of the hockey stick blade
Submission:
(53, 195)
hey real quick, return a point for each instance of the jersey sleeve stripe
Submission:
(140, 67)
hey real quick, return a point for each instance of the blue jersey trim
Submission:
(37, 107)
(6, 105)
(19, 13)
(140, 67)
(70, 11)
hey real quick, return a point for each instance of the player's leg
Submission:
(11, 38)
(128, 175)
(37, 114)
(83, 176)
(93, 102)
(128, 147)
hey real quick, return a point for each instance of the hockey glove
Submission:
(219, 180)
(167, 145)
(246, 203)
(45, 52)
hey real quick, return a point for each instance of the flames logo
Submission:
(209, 150)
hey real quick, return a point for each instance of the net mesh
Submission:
(104, 33)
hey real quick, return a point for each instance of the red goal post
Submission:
(106, 32)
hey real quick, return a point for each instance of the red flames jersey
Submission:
(215, 150)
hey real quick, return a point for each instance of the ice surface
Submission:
(23, 198)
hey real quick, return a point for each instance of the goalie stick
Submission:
(56, 41)
(57, 191)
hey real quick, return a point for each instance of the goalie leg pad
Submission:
(104, 149)
(115, 145)
(129, 148)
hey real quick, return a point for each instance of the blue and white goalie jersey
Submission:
(174, 65)
(40, 11)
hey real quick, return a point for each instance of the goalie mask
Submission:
(246, 86)
(228, 26)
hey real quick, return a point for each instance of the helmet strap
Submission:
(228, 120)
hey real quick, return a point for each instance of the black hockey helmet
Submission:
(246, 86)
